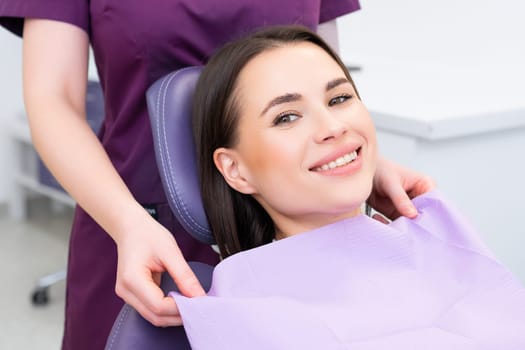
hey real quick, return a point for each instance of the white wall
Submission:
(469, 41)
(450, 31)
(10, 101)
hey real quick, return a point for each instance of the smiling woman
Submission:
(285, 153)
(294, 157)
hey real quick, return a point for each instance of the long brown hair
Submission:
(237, 220)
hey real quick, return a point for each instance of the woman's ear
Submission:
(228, 163)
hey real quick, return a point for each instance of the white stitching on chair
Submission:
(161, 120)
(162, 93)
(121, 318)
(192, 222)
(180, 206)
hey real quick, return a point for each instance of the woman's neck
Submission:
(287, 227)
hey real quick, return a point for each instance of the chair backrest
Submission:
(169, 104)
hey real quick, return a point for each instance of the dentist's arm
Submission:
(55, 64)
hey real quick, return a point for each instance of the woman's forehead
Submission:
(289, 54)
(290, 66)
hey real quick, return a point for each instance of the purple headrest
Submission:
(169, 104)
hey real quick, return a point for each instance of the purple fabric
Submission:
(427, 283)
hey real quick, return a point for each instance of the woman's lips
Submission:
(341, 161)
(342, 165)
(339, 158)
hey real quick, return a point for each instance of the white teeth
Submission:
(347, 158)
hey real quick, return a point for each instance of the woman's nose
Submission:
(330, 126)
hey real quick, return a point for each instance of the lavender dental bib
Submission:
(427, 283)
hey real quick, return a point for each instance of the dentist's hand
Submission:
(145, 252)
(394, 187)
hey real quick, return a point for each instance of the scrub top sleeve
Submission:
(331, 9)
(13, 12)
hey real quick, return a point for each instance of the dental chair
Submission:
(169, 105)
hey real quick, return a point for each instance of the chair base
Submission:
(40, 294)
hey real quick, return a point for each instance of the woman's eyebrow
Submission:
(336, 82)
(290, 97)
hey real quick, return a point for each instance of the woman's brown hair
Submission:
(237, 220)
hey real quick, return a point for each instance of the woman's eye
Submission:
(339, 99)
(285, 118)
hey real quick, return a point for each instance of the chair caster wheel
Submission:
(40, 296)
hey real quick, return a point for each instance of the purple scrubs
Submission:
(134, 43)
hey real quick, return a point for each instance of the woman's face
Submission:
(307, 146)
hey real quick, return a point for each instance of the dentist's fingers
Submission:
(395, 186)
(182, 274)
(161, 313)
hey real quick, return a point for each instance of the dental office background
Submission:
(445, 82)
